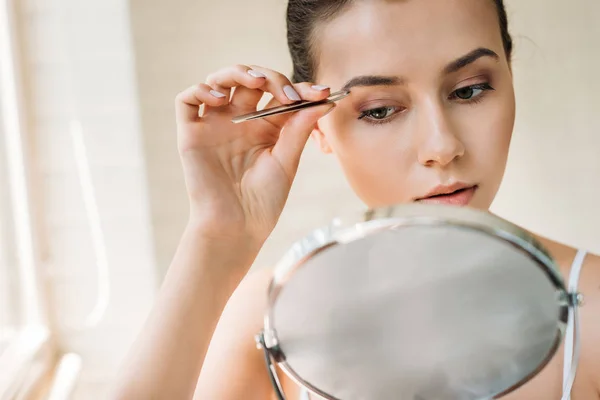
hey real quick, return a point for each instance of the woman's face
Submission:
(432, 103)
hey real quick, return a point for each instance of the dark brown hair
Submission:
(304, 15)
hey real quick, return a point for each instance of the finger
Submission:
(236, 76)
(308, 92)
(294, 135)
(188, 102)
(311, 92)
(246, 98)
(278, 85)
(253, 77)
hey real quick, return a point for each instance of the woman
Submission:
(430, 118)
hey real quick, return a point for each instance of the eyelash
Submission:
(484, 87)
(373, 121)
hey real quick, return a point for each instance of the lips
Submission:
(457, 195)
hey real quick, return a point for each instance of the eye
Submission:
(470, 92)
(378, 114)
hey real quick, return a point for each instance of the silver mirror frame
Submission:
(342, 231)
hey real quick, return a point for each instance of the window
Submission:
(9, 296)
(24, 346)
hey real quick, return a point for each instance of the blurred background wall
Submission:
(114, 67)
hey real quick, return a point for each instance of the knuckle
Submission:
(281, 78)
(303, 85)
(202, 87)
(274, 74)
(211, 78)
(179, 97)
(271, 73)
(241, 68)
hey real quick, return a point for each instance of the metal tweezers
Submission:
(290, 107)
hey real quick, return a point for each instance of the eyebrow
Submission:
(470, 58)
(454, 66)
(373, 80)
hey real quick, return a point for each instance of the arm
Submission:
(167, 358)
(234, 368)
(238, 177)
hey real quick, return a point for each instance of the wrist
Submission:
(235, 250)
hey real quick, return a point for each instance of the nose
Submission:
(438, 143)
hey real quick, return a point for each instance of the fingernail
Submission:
(320, 87)
(256, 74)
(291, 93)
(217, 94)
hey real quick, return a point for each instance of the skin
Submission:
(431, 139)
(238, 179)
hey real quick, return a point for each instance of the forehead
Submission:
(403, 37)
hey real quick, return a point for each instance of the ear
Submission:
(319, 138)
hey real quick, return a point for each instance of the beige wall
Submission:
(129, 59)
(550, 183)
(177, 44)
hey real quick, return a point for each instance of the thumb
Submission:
(295, 134)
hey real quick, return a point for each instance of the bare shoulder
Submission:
(589, 286)
(589, 281)
(234, 367)
(564, 255)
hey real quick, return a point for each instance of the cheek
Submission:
(372, 159)
(487, 132)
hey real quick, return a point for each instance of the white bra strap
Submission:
(569, 363)
(304, 395)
